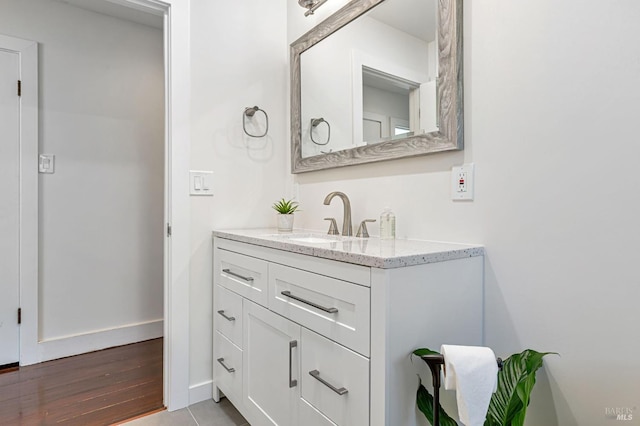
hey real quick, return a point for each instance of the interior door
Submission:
(9, 207)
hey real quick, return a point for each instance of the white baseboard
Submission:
(64, 346)
(200, 392)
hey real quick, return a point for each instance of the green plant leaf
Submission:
(425, 351)
(424, 400)
(285, 206)
(508, 406)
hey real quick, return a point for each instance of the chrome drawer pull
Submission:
(229, 272)
(229, 369)
(316, 375)
(315, 305)
(292, 382)
(226, 317)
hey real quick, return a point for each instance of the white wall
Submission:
(239, 59)
(101, 114)
(385, 102)
(551, 129)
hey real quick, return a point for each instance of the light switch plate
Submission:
(46, 163)
(200, 182)
(462, 182)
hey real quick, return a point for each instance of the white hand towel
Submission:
(472, 371)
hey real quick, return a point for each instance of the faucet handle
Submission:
(333, 226)
(362, 230)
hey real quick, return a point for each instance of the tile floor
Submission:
(205, 413)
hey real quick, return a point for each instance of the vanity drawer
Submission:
(335, 380)
(228, 314)
(311, 416)
(244, 275)
(334, 308)
(227, 366)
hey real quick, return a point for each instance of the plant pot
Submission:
(285, 222)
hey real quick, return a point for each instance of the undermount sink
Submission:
(309, 238)
(312, 240)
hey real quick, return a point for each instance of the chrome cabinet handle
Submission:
(229, 369)
(316, 375)
(315, 305)
(292, 382)
(228, 318)
(247, 279)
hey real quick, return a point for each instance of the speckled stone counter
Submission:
(372, 252)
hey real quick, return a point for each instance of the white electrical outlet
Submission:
(462, 182)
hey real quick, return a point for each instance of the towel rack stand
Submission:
(435, 361)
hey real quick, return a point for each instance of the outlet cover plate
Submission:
(462, 182)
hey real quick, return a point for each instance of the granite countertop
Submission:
(372, 252)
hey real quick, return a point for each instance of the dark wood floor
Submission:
(99, 388)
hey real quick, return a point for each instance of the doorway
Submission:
(176, 32)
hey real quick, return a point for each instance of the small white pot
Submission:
(285, 222)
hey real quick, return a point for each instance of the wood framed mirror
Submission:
(334, 118)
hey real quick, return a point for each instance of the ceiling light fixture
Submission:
(311, 5)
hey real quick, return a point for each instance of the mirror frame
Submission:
(450, 134)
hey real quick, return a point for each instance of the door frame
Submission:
(27, 52)
(177, 211)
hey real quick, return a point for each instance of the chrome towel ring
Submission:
(250, 112)
(315, 122)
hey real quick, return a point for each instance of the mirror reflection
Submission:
(373, 80)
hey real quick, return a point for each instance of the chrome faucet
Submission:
(347, 230)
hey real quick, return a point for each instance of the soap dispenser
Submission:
(387, 224)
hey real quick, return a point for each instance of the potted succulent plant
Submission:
(285, 209)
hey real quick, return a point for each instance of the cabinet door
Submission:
(271, 381)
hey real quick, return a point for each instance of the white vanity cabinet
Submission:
(312, 335)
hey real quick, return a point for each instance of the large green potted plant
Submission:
(285, 209)
(508, 406)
